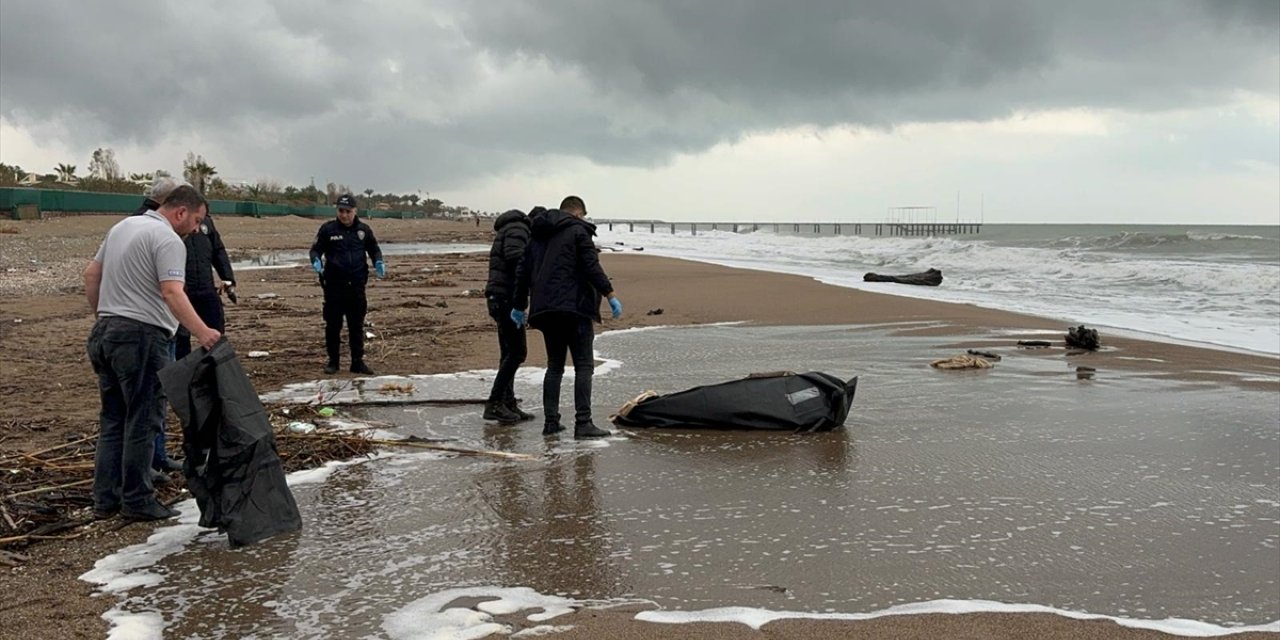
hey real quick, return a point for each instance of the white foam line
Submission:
(124, 570)
(428, 619)
(756, 618)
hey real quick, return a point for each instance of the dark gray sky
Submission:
(691, 109)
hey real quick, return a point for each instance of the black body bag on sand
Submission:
(784, 401)
(232, 467)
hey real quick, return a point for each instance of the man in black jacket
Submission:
(561, 281)
(511, 236)
(338, 255)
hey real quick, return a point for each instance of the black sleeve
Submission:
(514, 242)
(221, 261)
(318, 249)
(589, 261)
(520, 298)
(371, 245)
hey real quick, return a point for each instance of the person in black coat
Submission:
(511, 236)
(560, 281)
(338, 255)
(205, 254)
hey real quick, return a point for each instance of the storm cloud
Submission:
(404, 95)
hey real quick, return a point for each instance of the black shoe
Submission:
(103, 514)
(552, 428)
(158, 512)
(589, 430)
(498, 412)
(514, 407)
(159, 477)
(331, 368)
(362, 368)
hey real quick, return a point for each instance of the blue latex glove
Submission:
(316, 264)
(517, 316)
(615, 305)
(380, 268)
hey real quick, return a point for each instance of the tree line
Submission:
(104, 175)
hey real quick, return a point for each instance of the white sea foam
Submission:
(430, 618)
(1188, 294)
(756, 618)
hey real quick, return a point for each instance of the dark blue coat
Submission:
(343, 250)
(560, 272)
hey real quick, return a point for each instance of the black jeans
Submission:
(127, 355)
(572, 333)
(512, 347)
(344, 301)
(209, 307)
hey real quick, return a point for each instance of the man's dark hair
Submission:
(573, 202)
(186, 196)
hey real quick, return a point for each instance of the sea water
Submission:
(1216, 286)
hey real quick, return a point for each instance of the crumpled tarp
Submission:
(231, 465)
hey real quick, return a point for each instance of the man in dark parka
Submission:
(560, 281)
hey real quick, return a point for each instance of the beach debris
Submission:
(963, 361)
(1082, 338)
(301, 427)
(928, 278)
(654, 312)
(258, 354)
(441, 304)
(984, 354)
(1085, 373)
(267, 296)
(369, 335)
(394, 388)
(1036, 344)
(323, 412)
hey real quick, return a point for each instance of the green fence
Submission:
(25, 204)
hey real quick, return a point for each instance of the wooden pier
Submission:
(802, 228)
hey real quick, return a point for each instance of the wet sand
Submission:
(457, 338)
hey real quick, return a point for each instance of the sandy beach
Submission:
(428, 318)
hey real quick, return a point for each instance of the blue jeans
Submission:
(572, 333)
(127, 356)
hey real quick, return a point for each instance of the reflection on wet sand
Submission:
(1126, 496)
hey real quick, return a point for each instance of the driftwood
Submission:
(1034, 343)
(961, 362)
(446, 402)
(930, 278)
(984, 354)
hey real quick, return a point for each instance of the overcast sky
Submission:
(1136, 111)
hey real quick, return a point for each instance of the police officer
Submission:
(338, 256)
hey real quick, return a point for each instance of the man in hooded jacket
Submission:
(511, 237)
(560, 281)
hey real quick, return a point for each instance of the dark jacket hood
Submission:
(514, 215)
(553, 221)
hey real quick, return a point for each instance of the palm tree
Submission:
(66, 172)
(197, 172)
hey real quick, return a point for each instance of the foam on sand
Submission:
(756, 618)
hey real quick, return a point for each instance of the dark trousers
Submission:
(573, 334)
(344, 301)
(209, 307)
(127, 355)
(512, 347)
